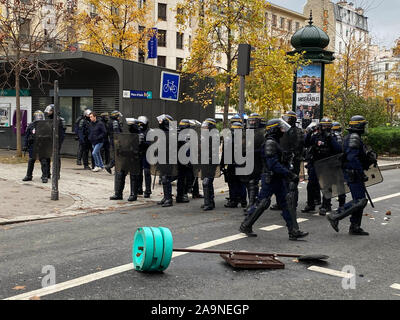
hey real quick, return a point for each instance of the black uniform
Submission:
(84, 143)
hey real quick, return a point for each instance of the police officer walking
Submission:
(113, 126)
(337, 135)
(83, 130)
(356, 160)
(273, 182)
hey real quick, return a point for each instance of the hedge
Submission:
(384, 140)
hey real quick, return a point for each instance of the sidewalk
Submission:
(80, 192)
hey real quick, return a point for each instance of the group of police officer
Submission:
(280, 146)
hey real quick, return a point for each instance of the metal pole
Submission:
(56, 156)
(241, 96)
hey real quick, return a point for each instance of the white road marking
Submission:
(299, 220)
(395, 286)
(331, 272)
(271, 228)
(386, 197)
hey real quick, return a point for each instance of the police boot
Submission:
(133, 195)
(140, 184)
(208, 203)
(326, 207)
(308, 208)
(107, 167)
(295, 234)
(167, 195)
(147, 182)
(29, 171)
(119, 184)
(43, 164)
(247, 225)
(356, 230)
(350, 208)
(196, 191)
(253, 191)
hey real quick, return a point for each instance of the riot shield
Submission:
(167, 168)
(206, 169)
(331, 179)
(127, 152)
(43, 145)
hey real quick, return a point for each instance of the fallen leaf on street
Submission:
(123, 212)
(19, 287)
(388, 213)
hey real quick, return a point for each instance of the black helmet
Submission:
(276, 127)
(115, 115)
(38, 115)
(290, 117)
(357, 124)
(163, 121)
(236, 118)
(184, 124)
(133, 125)
(105, 116)
(254, 120)
(325, 124)
(336, 126)
(209, 124)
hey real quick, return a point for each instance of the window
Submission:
(179, 40)
(162, 38)
(162, 11)
(141, 3)
(282, 26)
(386, 66)
(179, 62)
(25, 28)
(190, 42)
(297, 26)
(161, 61)
(274, 20)
(141, 54)
(290, 25)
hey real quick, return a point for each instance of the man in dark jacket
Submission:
(97, 135)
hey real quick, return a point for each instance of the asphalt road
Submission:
(81, 246)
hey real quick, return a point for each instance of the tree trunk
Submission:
(18, 112)
(226, 101)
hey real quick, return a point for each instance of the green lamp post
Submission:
(308, 84)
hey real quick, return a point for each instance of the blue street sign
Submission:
(169, 86)
(152, 45)
(137, 94)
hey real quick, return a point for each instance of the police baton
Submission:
(368, 196)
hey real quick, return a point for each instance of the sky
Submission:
(383, 17)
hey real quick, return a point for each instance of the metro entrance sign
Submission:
(169, 86)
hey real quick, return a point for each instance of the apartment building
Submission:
(342, 21)
(385, 66)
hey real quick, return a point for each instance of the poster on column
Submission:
(308, 93)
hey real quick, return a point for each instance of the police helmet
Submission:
(358, 124)
(49, 109)
(38, 115)
(184, 124)
(312, 127)
(237, 125)
(143, 122)
(290, 117)
(105, 116)
(325, 124)
(164, 120)
(87, 112)
(115, 115)
(194, 123)
(236, 118)
(209, 124)
(336, 126)
(254, 120)
(276, 127)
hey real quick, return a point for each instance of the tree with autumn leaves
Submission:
(117, 28)
(221, 25)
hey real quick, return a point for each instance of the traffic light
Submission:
(243, 65)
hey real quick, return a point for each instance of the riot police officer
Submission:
(337, 135)
(293, 143)
(237, 189)
(83, 131)
(120, 175)
(49, 114)
(356, 160)
(143, 124)
(28, 146)
(273, 182)
(105, 151)
(193, 182)
(113, 126)
(255, 123)
(76, 130)
(166, 174)
(184, 170)
(208, 170)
